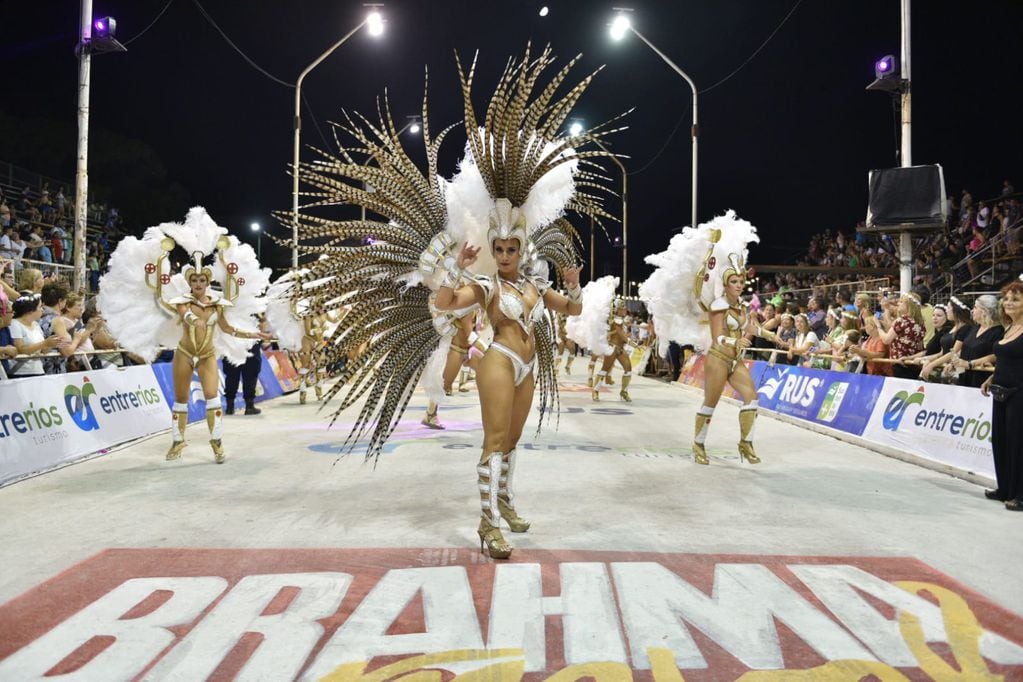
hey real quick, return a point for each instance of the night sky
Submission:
(786, 142)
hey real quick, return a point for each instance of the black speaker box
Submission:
(906, 199)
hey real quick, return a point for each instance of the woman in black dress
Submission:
(980, 342)
(1007, 403)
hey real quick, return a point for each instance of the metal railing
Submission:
(122, 352)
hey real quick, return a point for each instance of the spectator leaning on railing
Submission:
(7, 347)
(904, 333)
(873, 348)
(979, 342)
(28, 337)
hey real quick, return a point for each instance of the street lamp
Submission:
(620, 26)
(574, 129)
(259, 240)
(375, 22)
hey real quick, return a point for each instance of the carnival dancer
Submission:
(618, 339)
(591, 329)
(298, 330)
(518, 179)
(565, 345)
(456, 328)
(710, 262)
(146, 307)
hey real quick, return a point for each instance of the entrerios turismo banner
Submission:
(48, 420)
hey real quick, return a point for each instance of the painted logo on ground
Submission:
(379, 614)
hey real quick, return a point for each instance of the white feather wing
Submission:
(589, 329)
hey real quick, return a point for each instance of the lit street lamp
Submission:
(622, 25)
(375, 23)
(259, 240)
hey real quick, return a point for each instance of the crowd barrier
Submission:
(46, 422)
(948, 426)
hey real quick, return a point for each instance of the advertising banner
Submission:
(946, 424)
(692, 374)
(838, 400)
(47, 420)
(267, 387)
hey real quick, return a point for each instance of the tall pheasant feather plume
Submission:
(387, 334)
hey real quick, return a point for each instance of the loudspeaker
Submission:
(906, 199)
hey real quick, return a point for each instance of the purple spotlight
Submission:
(100, 25)
(884, 67)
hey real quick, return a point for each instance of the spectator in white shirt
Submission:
(28, 337)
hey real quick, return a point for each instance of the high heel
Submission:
(625, 396)
(490, 538)
(747, 419)
(175, 450)
(218, 450)
(746, 452)
(430, 421)
(703, 416)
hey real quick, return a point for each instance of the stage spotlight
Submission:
(886, 77)
(884, 67)
(544, 11)
(104, 28)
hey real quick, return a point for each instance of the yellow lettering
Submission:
(427, 668)
(662, 666)
(961, 628)
(600, 672)
(835, 671)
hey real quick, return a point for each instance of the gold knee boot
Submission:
(488, 480)
(430, 420)
(213, 418)
(590, 368)
(506, 495)
(624, 393)
(568, 364)
(747, 420)
(179, 417)
(595, 392)
(703, 416)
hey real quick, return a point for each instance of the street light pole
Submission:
(696, 125)
(82, 171)
(298, 136)
(618, 28)
(625, 217)
(906, 151)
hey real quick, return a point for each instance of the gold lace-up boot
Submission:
(506, 495)
(747, 420)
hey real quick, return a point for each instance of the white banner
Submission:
(45, 421)
(947, 424)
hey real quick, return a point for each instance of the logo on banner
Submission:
(771, 386)
(77, 403)
(832, 401)
(792, 388)
(898, 405)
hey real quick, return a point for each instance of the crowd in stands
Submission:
(38, 226)
(977, 234)
(883, 333)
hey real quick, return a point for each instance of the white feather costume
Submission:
(590, 328)
(138, 293)
(689, 277)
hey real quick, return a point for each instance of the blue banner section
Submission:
(267, 387)
(834, 399)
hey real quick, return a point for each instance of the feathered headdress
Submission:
(372, 266)
(690, 274)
